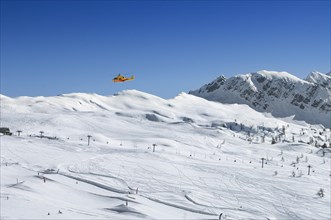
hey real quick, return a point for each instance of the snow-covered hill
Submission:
(150, 158)
(278, 93)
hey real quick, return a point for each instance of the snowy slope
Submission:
(278, 93)
(207, 160)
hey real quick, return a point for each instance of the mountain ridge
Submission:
(279, 93)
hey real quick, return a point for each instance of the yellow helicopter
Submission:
(121, 78)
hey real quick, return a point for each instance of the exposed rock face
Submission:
(278, 93)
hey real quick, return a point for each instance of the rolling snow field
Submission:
(151, 158)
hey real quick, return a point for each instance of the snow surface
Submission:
(207, 160)
(279, 75)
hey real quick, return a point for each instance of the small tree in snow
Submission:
(320, 193)
(263, 138)
(283, 129)
(262, 160)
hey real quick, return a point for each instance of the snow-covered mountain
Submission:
(278, 93)
(151, 158)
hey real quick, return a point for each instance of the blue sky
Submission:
(56, 47)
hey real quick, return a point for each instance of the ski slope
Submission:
(206, 160)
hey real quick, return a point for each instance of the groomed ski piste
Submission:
(151, 158)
